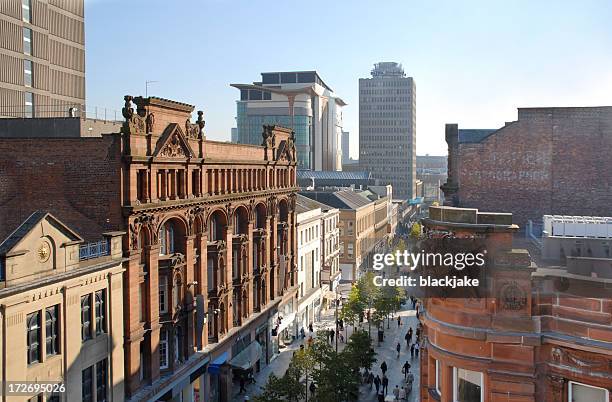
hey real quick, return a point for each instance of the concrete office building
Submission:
(346, 149)
(302, 101)
(61, 303)
(387, 132)
(42, 54)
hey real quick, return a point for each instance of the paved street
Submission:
(385, 352)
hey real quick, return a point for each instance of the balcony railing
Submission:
(93, 250)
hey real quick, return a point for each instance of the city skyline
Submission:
(527, 62)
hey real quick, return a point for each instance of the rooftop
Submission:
(472, 135)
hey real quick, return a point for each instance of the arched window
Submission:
(33, 322)
(166, 239)
(51, 330)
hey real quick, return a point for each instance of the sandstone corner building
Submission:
(209, 245)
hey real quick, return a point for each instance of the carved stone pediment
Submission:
(173, 144)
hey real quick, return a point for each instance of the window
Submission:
(52, 330)
(438, 376)
(301, 263)
(27, 73)
(85, 318)
(27, 41)
(178, 356)
(288, 78)
(163, 349)
(586, 393)
(101, 380)
(26, 9)
(166, 239)
(87, 384)
(467, 385)
(100, 311)
(163, 293)
(33, 323)
(350, 249)
(29, 105)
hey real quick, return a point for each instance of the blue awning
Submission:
(215, 366)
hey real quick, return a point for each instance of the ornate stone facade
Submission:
(534, 336)
(210, 247)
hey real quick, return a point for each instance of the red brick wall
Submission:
(77, 180)
(550, 161)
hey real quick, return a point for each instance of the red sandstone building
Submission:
(543, 334)
(552, 161)
(209, 233)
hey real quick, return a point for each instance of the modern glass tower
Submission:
(387, 127)
(299, 100)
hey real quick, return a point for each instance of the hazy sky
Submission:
(474, 62)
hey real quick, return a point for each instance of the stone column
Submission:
(189, 289)
(152, 317)
(228, 275)
(249, 268)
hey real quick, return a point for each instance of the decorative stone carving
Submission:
(134, 123)
(201, 123)
(150, 122)
(192, 130)
(148, 221)
(173, 148)
(557, 384)
(513, 297)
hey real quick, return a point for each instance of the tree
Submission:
(336, 374)
(286, 388)
(304, 360)
(359, 350)
(415, 230)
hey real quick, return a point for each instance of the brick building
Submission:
(550, 161)
(210, 243)
(542, 333)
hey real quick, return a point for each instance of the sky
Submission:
(474, 62)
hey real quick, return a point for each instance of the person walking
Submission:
(402, 393)
(409, 334)
(302, 333)
(310, 328)
(313, 389)
(370, 379)
(377, 383)
(399, 321)
(416, 350)
(412, 351)
(407, 338)
(242, 383)
(383, 367)
(396, 392)
(385, 384)
(381, 396)
(331, 335)
(406, 369)
(398, 348)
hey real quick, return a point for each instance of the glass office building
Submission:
(298, 100)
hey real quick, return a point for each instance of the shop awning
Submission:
(248, 357)
(215, 366)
